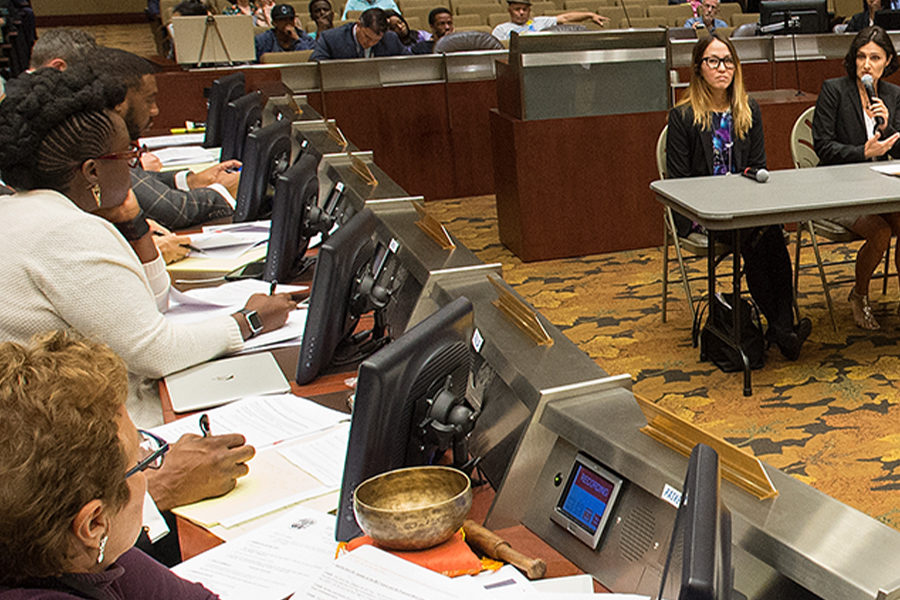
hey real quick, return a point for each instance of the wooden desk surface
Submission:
(332, 390)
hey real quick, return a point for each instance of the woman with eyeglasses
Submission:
(73, 470)
(716, 129)
(850, 127)
(78, 252)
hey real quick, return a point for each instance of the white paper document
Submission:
(322, 456)
(185, 155)
(206, 303)
(269, 563)
(246, 226)
(368, 573)
(178, 139)
(263, 420)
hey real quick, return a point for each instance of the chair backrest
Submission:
(802, 151)
(462, 41)
(495, 19)
(739, 19)
(542, 8)
(468, 21)
(661, 153)
(681, 12)
(644, 22)
(728, 10)
(745, 30)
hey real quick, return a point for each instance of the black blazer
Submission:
(839, 133)
(339, 43)
(859, 21)
(689, 150)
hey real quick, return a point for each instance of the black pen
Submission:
(188, 246)
(272, 287)
(204, 424)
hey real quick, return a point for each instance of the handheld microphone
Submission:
(760, 175)
(869, 84)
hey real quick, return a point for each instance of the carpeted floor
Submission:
(831, 419)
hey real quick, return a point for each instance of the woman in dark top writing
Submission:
(848, 127)
(716, 129)
(72, 466)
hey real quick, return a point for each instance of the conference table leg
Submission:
(732, 340)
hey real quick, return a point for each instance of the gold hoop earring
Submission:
(95, 190)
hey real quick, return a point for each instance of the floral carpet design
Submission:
(830, 419)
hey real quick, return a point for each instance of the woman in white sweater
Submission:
(77, 249)
(77, 254)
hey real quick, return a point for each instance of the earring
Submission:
(95, 190)
(103, 541)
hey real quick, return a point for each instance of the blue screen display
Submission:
(587, 498)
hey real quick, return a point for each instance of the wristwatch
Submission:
(253, 321)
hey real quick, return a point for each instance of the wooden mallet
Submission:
(497, 548)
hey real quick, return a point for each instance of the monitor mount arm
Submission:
(447, 424)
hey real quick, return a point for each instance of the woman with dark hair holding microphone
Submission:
(716, 129)
(853, 125)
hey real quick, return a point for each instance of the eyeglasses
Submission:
(714, 62)
(132, 155)
(152, 451)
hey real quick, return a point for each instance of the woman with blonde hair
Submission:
(73, 470)
(716, 129)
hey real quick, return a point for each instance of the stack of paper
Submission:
(166, 141)
(226, 299)
(300, 450)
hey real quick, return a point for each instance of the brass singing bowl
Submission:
(413, 508)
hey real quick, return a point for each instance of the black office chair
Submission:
(462, 41)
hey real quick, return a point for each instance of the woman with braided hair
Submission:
(78, 250)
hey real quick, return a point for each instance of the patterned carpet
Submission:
(831, 419)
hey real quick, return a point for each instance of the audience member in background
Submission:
(441, 21)
(844, 131)
(521, 21)
(263, 15)
(322, 14)
(364, 5)
(74, 470)
(707, 16)
(365, 38)
(408, 37)
(175, 200)
(242, 7)
(716, 129)
(58, 47)
(79, 256)
(866, 18)
(284, 35)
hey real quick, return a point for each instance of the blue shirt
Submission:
(267, 42)
(365, 5)
(718, 22)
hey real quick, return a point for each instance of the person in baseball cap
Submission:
(285, 35)
(521, 21)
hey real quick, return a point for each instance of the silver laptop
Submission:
(225, 380)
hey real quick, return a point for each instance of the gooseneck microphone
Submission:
(760, 175)
(869, 84)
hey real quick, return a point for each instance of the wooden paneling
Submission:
(181, 97)
(571, 187)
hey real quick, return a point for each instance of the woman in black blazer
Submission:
(717, 129)
(846, 130)
(866, 17)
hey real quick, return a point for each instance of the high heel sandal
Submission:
(862, 311)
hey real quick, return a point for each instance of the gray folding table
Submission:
(728, 204)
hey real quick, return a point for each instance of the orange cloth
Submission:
(451, 558)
